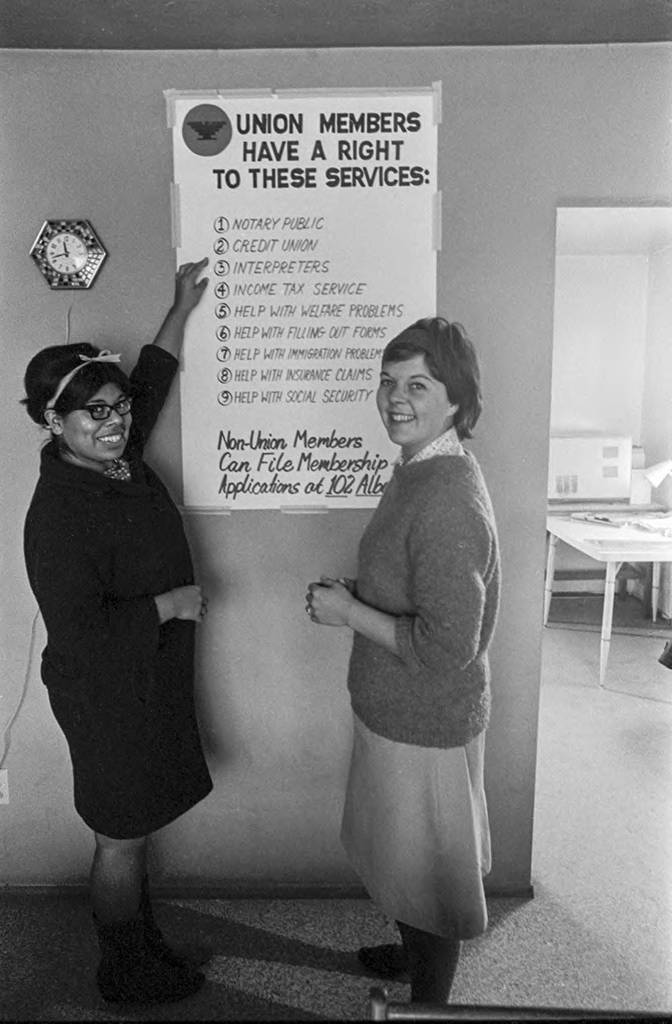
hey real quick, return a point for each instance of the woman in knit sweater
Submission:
(109, 564)
(423, 610)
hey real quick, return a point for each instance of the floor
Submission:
(597, 935)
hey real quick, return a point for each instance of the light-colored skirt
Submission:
(415, 828)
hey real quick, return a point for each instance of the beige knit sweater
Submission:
(429, 556)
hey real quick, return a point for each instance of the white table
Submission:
(612, 545)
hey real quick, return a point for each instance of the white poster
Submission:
(319, 212)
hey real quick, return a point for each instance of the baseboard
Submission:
(247, 889)
(514, 890)
(236, 889)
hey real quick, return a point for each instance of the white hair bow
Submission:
(105, 356)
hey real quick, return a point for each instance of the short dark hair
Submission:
(47, 369)
(451, 358)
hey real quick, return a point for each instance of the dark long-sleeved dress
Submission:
(120, 684)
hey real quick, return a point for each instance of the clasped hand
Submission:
(328, 602)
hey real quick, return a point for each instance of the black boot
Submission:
(432, 963)
(129, 972)
(156, 942)
(387, 961)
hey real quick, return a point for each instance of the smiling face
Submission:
(413, 405)
(88, 442)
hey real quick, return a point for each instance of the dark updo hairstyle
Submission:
(451, 359)
(47, 369)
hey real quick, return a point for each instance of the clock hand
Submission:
(65, 249)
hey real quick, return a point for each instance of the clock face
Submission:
(66, 253)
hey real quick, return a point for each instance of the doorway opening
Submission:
(611, 394)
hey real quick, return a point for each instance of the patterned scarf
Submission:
(118, 470)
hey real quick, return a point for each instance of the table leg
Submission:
(655, 588)
(550, 569)
(607, 615)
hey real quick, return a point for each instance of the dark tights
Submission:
(432, 962)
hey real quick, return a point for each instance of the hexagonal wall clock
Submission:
(68, 253)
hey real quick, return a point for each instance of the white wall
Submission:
(657, 391)
(657, 399)
(84, 134)
(599, 344)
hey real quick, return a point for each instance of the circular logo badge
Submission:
(206, 130)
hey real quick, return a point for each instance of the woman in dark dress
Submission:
(109, 564)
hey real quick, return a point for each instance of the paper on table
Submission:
(656, 524)
(600, 519)
(653, 522)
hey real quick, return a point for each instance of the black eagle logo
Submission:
(206, 130)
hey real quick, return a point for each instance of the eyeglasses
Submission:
(101, 410)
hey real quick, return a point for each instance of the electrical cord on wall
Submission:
(67, 324)
(7, 731)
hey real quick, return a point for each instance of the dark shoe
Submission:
(388, 961)
(130, 973)
(156, 942)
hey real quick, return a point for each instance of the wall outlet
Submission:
(4, 787)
